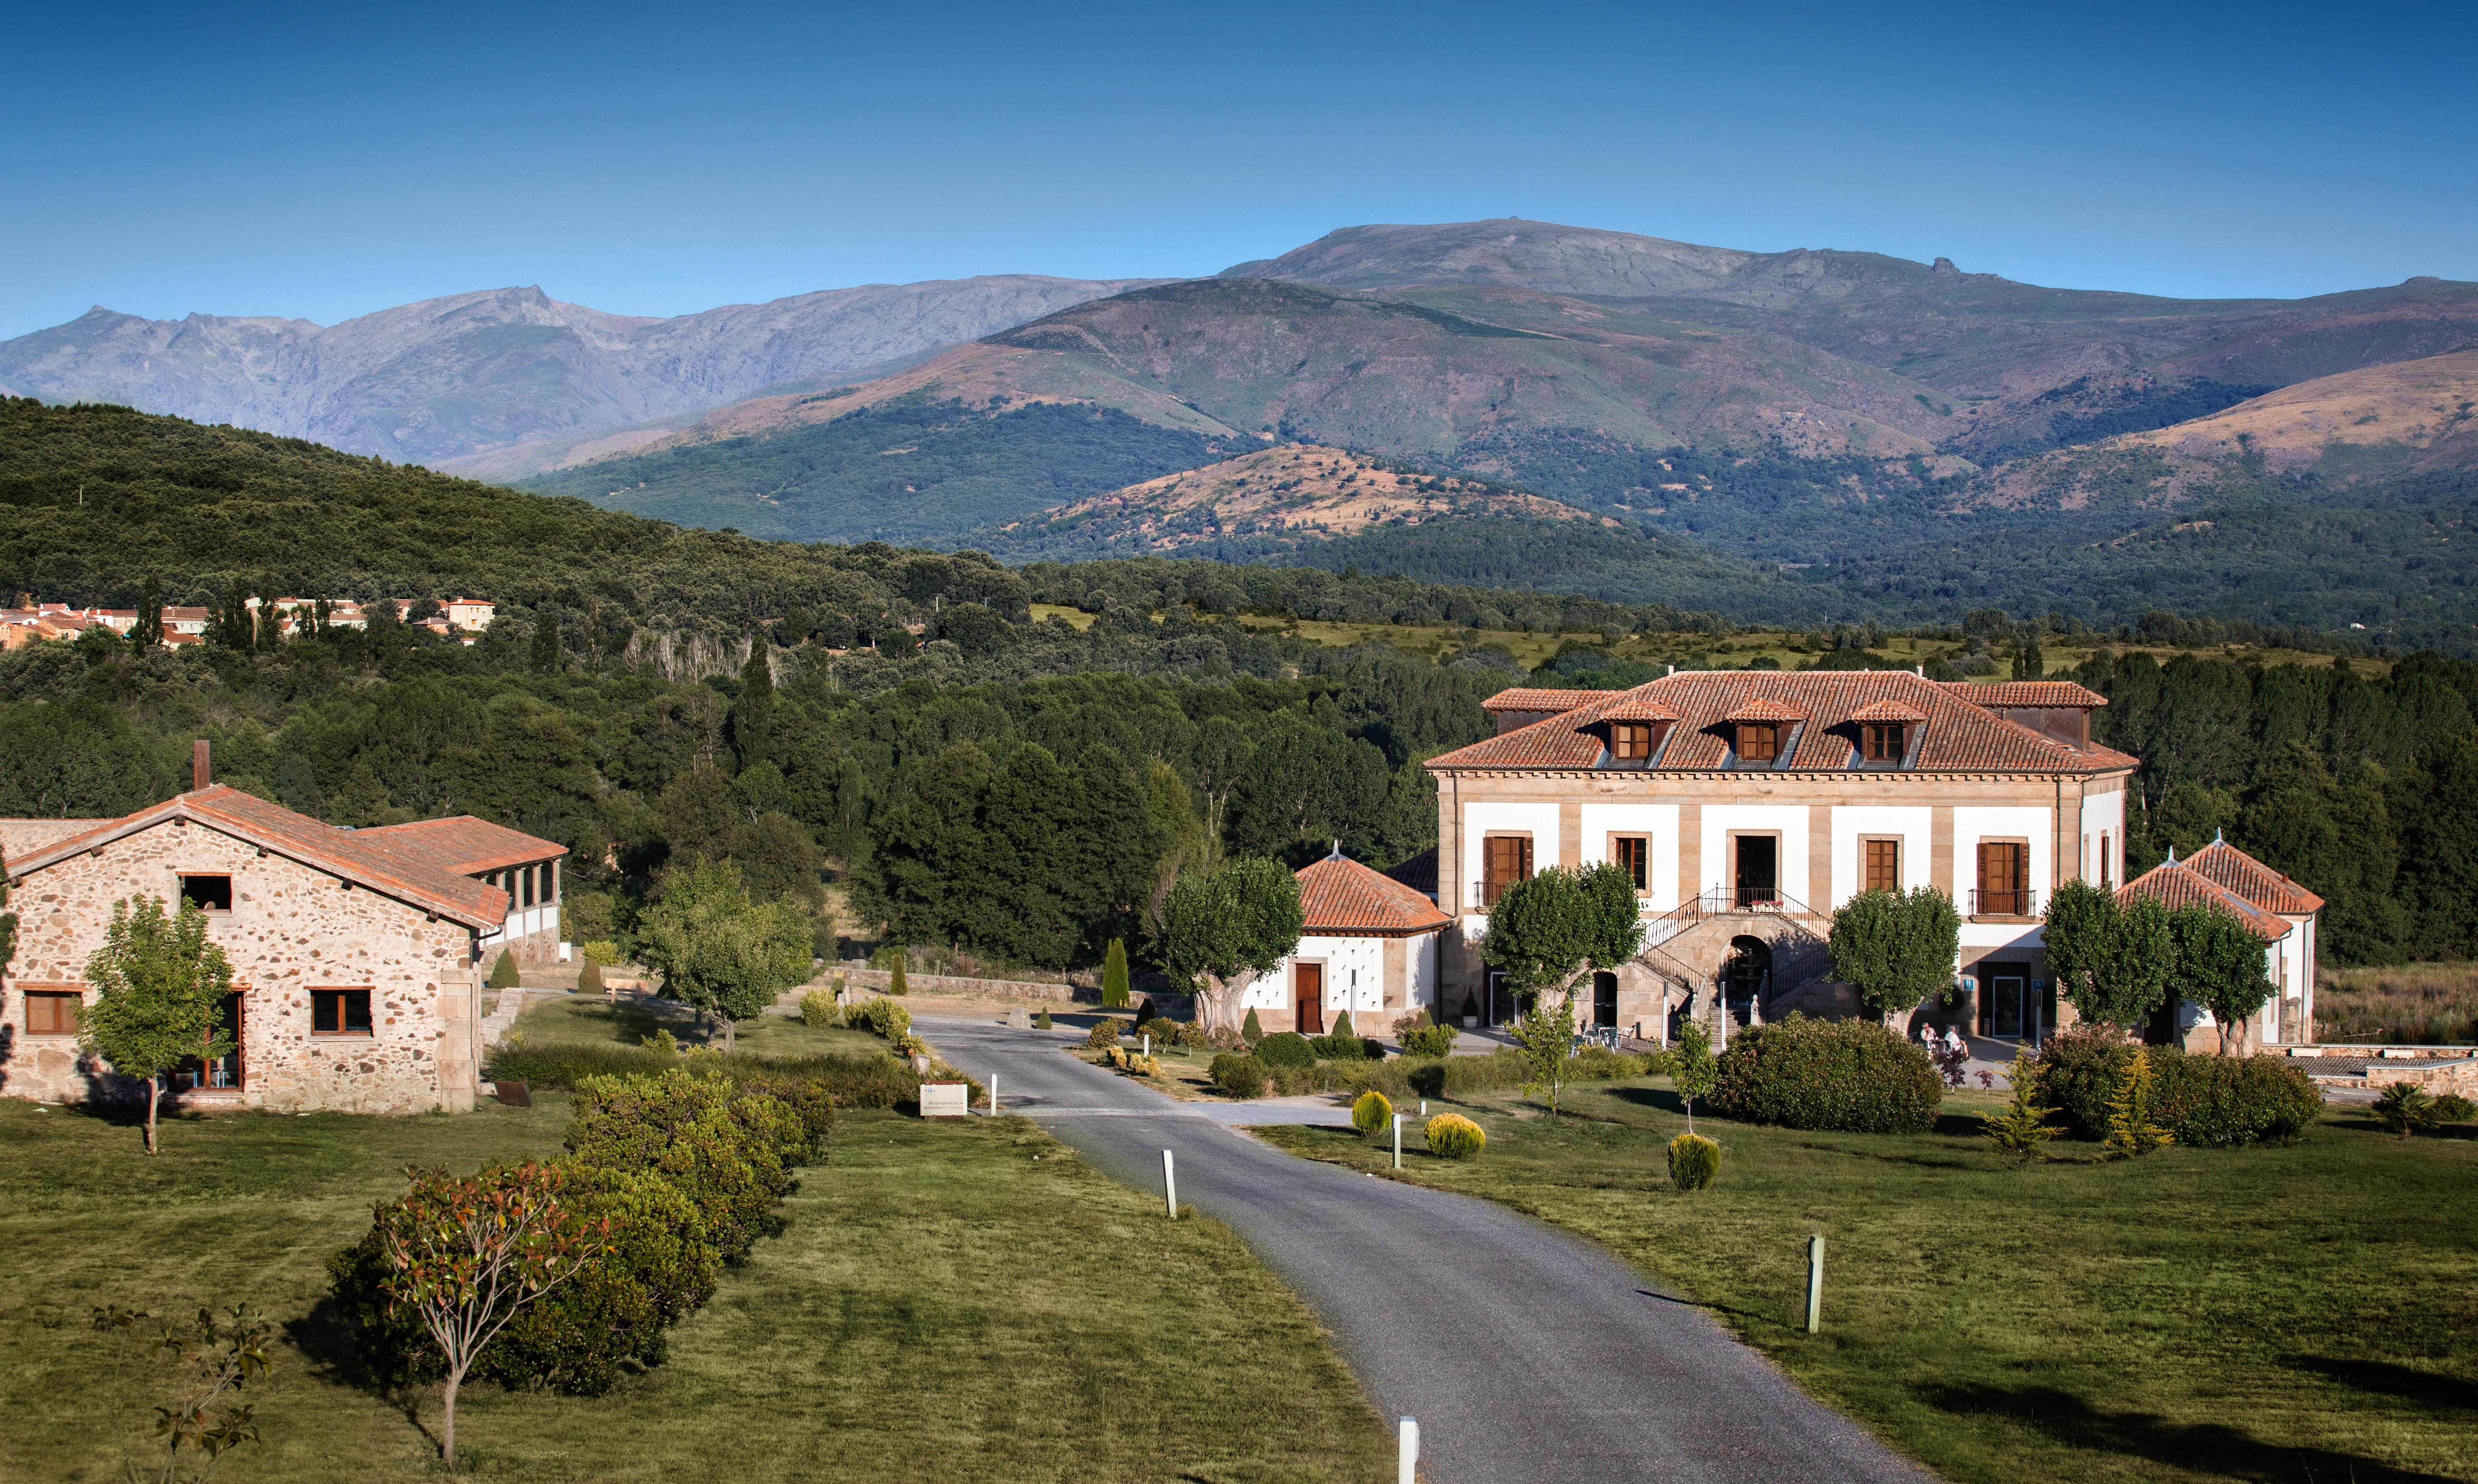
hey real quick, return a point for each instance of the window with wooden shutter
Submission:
(1629, 742)
(2003, 884)
(1883, 866)
(1632, 854)
(1885, 743)
(51, 1012)
(1758, 742)
(1508, 859)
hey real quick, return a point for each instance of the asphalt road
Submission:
(1528, 1357)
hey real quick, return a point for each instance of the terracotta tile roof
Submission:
(1527, 698)
(1626, 708)
(1957, 736)
(2239, 872)
(1765, 708)
(1418, 874)
(2174, 884)
(1343, 898)
(464, 845)
(1888, 711)
(2026, 692)
(337, 852)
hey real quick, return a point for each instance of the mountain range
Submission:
(1849, 415)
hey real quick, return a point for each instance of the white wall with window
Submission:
(1912, 828)
(1656, 824)
(1789, 821)
(1484, 819)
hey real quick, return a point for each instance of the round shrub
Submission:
(817, 1008)
(1429, 1041)
(2216, 1101)
(1240, 1076)
(589, 979)
(886, 1018)
(2080, 1069)
(1854, 1075)
(1371, 1113)
(1103, 1035)
(1451, 1136)
(1191, 1034)
(1693, 1160)
(1165, 1033)
(1287, 1048)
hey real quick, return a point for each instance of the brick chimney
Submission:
(200, 773)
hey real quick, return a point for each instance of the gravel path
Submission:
(1527, 1356)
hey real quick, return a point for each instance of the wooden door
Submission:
(1307, 998)
(1509, 860)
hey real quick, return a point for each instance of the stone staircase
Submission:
(1688, 947)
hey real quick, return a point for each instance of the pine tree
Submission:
(2130, 1129)
(547, 651)
(2022, 1129)
(149, 630)
(752, 715)
(1114, 977)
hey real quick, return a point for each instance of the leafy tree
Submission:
(547, 653)
(1544, 1035)
(752, 714)
(1547, 932)
(467, 1256)
(148, 632)
(1896, 947)
(720, 952)
(2111, 961)
(1693, 1069)
(1230, 927)
(1114, 977)
(2216, 962)
(160, 994)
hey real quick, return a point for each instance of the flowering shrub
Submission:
(1846, 1074)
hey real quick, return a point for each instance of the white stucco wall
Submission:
(1787, 820)
(1355, 977)
(1971, 825)
(1539, 820)
(2104, 814)
(1658, 821)
(1854, 822)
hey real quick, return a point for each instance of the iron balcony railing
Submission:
(2004, 902)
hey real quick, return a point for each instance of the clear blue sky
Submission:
(333, 160)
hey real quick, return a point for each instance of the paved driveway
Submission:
(1527, 1356)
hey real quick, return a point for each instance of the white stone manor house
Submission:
(358, 955)
(1747, 805)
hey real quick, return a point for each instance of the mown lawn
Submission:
(591, 1020)
(2307, 1313)
(949, 1301)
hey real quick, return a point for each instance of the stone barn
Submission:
(357, 955)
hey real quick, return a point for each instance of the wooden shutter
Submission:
(1883, 866)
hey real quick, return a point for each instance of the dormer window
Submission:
(1631, 741)
(1886, 742)
(1759, 741)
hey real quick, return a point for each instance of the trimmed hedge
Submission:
(1240, 1076)
(2214, 1102)
(2078, 1069)
(1285, 1048)
(1343, 1046)
(1852, 1075)
(851, 1081)
(687, 1169)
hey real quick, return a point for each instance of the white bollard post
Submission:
(1424, 1107)
(994, 1095)
(1406, 1452)
(1815, 1284)
(1148, 1045)
(1169, 1184)
(1397, 1140)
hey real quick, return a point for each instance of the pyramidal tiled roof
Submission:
(1340, 897)
(1957, 735)
(2239, 872)
(390, 868)
(2175, 884)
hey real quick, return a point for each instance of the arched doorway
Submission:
(1605, 1000)
(1746, 976)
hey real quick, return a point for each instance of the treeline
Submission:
(976, 795)
(2366, 791)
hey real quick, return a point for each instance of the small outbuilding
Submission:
(2274, 908)
(1368, 946)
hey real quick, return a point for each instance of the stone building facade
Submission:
(1747, 805)
(356, 958)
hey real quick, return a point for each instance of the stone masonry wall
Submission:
(290, 929)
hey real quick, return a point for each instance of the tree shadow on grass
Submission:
(328, 1339)
(2425, 1388)
(2207, 1447)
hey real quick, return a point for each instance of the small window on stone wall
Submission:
(211, 893)
(339, 1012)
(52, 1012)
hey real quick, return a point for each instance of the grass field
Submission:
(589, 1020)
(949, 1301)
(2430, 1004)
(2304, 1314)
